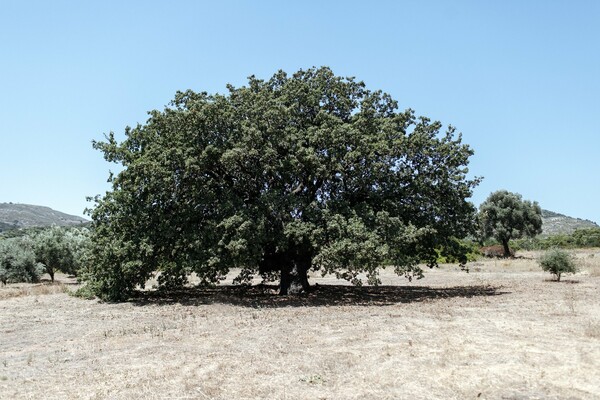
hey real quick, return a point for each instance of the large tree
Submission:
(505, 216)
(309, 171)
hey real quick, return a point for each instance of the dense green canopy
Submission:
(506, 216)
(310, 171)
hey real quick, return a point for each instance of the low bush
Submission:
(558, 262)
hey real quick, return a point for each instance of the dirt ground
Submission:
(502, 331)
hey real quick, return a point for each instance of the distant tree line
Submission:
(25, 255)
(580, 238)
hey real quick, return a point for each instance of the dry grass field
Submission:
(502, 331)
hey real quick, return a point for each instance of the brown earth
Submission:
(502, 331)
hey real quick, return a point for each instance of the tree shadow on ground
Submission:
(563, 281)
(49, 282)
(264, 296)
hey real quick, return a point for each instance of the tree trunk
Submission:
(507, 253)
(294, 278)
(51, 273)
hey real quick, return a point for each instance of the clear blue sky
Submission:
(520, 80)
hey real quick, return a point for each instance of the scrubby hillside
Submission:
(15, 216)
(555, 223)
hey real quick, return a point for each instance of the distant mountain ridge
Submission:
(554, 223)
(17, 216)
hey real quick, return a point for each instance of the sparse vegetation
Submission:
(558, 262)
(38, 289)
(559, 224)
(343, 342)
(22, 216)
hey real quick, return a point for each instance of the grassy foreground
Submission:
(502, 331)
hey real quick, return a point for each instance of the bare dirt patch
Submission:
(502, 331)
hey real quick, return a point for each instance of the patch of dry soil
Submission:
(502, 331)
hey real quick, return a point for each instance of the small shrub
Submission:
(558, 262)
(84, 292)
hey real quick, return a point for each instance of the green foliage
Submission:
(23, 232)
(459, 251)
(309, 171)
(4, 227)
(84, 292)
(78, 243)
(61, 249)
(581, 238)
(52, 249)
(17, 261)
(506, 216)
(587, 237)
(558, 262)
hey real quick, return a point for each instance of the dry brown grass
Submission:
(38, 289)
(502, 331)
(593, 329)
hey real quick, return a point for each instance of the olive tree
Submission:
(506, 216)
(61, 249)
(17, 261)
(296, 173)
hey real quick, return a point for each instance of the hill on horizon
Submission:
(18, 216)
(554, 223)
